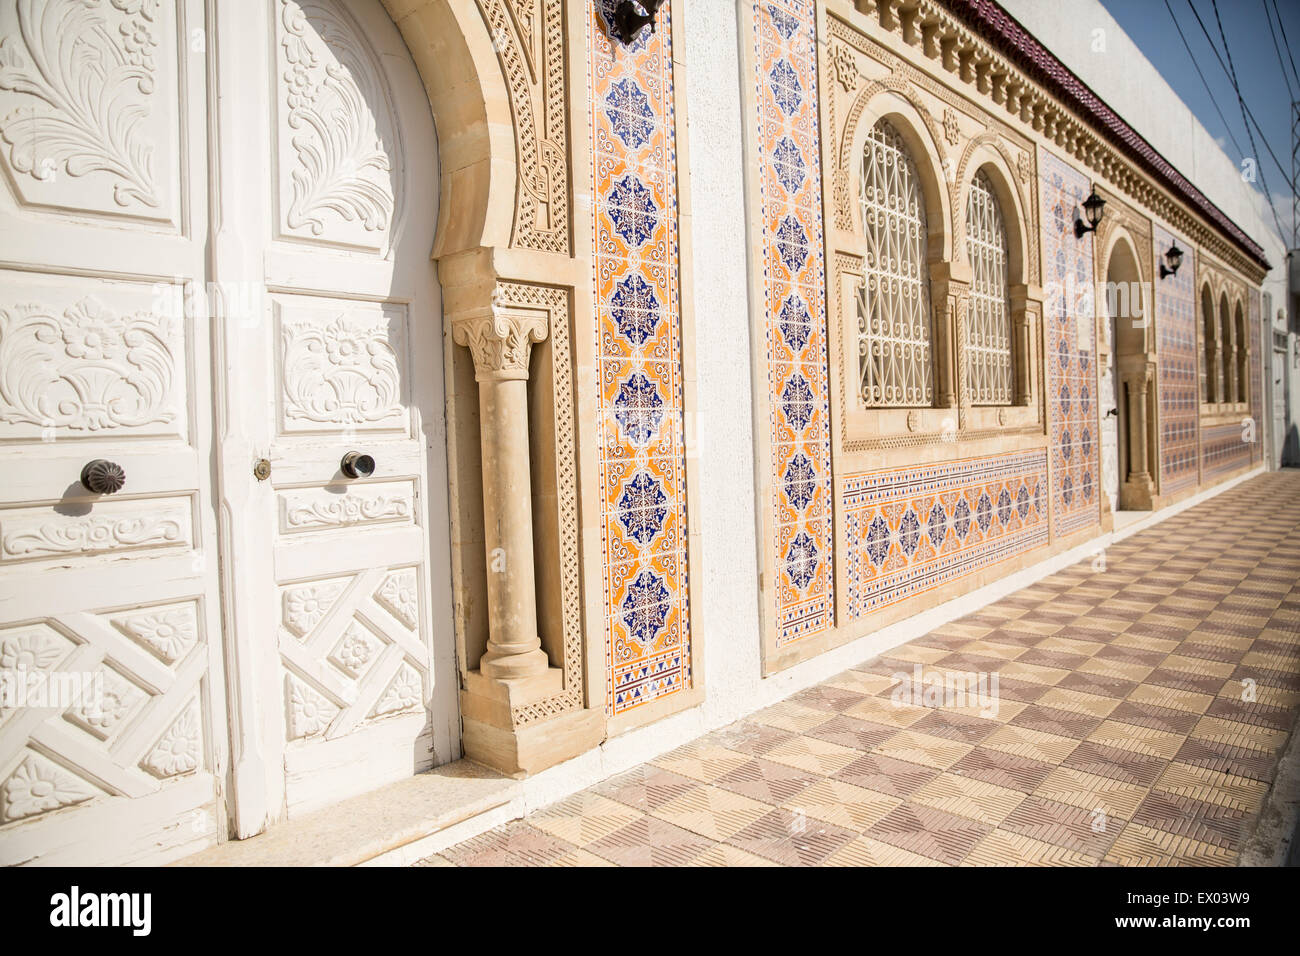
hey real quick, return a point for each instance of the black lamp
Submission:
(1092, 208)
(631, 16)
(1173, 259)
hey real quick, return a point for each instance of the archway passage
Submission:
(1129, 406)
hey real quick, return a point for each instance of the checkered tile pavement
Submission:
(1122, 735)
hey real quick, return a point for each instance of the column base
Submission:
(489, 735)
(531, 664)
(1136, 494)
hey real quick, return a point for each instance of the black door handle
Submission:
(103, 477)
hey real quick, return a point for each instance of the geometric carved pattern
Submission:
(133, 717)
(790, 187)
(639, 373)
(351, 651)
(528, 36)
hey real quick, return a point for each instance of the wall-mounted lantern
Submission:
(1173, 259)
(1092, 208)
(630, 17)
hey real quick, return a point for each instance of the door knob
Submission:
(357, 465)
(103, 477)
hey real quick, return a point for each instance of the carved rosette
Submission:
(501, 341)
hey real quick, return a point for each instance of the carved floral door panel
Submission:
(356, 365)
(112, 598)
(301, 323)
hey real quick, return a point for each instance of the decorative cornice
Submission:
(981, 44)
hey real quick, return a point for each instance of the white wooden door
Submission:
(345, 580)
(103, 226)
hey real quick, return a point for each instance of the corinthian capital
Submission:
(501, 340)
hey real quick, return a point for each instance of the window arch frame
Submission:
(944, 166)
(1209, 340)
(923, 301)
(993, 299)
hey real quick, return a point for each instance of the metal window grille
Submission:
(988, 318)
(894, 298)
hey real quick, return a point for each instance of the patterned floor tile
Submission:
(861, 735)
(967, 797)
(768, 782)
(711, 812)
(584, 818)
(701, 761)
(1072, 828)
(1140, 715)
(792, 839)
(844, 805)
(1212, 786)
(1003, 769)
(1089, 791)
(1143, 846)
(1023, 742)
(941, 836)
(895, 778)
(650, 842)
(865, 851)
(1001, 848)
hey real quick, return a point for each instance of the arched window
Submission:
(1210, 367)
(988, 317)
(1243, 354)
(1223, 386)
(894, 300)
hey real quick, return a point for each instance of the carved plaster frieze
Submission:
(528, 36)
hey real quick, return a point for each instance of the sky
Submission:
(1259, 69)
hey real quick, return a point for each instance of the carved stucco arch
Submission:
(1110, 242)
(888, 99)
(458, 65)
(988, 152)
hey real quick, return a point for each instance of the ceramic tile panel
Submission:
(1177, 384)
(1223, 449)
(912, 529)
(1069, 337)
(645, 584)
(793, 263)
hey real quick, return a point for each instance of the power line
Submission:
(1286, 42)
(1215, 103)
(1278, 50)
(1245, 111)
(1240, 100)
(1232, 75)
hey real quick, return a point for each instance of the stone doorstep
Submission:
(368, 826)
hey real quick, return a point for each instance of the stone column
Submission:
(1137, 488)
(517, 714)
(501, 342)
